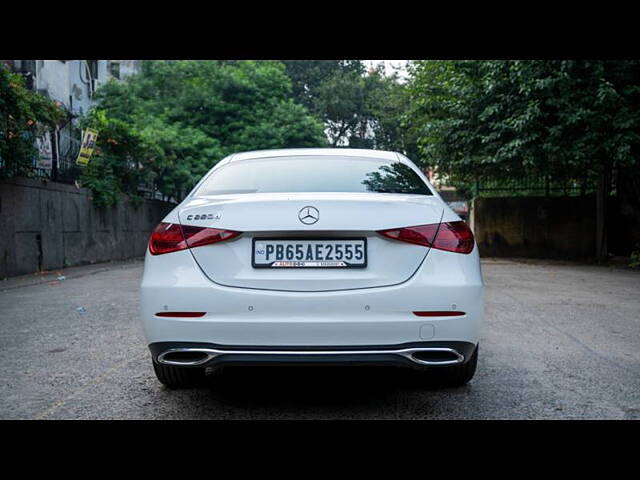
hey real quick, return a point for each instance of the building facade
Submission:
(73, 84)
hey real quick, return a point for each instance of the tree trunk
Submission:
(341, 132)
(602, 196)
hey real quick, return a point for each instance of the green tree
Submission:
(389, 102)
(341, 101)
(172, 122)
(307, 76)
(571, 120)
(365, 110)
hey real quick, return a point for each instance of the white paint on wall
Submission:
(71, 82)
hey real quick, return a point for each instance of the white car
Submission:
(333, 256)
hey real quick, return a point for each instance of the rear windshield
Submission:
(314, 174)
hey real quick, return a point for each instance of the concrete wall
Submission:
(52, 225)
(555, 227)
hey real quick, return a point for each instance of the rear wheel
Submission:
(456, 375)
(178, 377)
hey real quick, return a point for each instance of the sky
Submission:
(391, 65)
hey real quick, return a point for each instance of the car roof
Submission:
(298, 152)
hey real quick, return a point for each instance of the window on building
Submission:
(114, 68)
(93, 68)
(92, 80)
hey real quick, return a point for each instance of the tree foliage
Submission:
(360, 109)
(172, 122)
(389, 103)
(507, 119)
(23, 114)
(308, 75)
(341, 101)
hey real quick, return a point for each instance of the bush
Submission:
(23, 115)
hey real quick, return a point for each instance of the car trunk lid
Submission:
(283, 216)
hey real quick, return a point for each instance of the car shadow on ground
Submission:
(315, 385)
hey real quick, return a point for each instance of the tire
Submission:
(456, 375)
(178, 377)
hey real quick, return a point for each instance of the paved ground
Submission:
(560, 341)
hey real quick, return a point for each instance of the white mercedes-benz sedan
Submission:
(306, 256)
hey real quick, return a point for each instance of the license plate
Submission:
(316, 253)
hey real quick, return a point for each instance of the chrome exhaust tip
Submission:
(428, 356)
(185, 356)
(436, 356)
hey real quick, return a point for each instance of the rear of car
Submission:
(312, 256)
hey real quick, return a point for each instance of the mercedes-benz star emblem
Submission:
(309, 215)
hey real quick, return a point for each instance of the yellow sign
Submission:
(89, 138)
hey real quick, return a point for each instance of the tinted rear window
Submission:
(314, 174)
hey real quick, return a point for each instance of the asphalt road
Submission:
(560, 341)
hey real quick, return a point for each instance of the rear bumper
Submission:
(382, 316)
(192, 354)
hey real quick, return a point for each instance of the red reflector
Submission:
(450, 236)
(171, 237)
(181, 314)
(438, 314)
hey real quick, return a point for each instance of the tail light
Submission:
(450, 236)
(171, 237)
